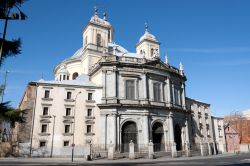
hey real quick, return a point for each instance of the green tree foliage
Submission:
(10, 47)
(10, 114)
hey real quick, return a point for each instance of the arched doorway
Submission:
(158, 137)
(129, 132)
(177, 137)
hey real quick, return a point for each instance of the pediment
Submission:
(158, 64)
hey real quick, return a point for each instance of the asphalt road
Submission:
(237, 160)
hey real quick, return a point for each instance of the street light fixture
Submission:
(4, 85)
(73, 142)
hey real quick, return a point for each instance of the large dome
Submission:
(148, 36)
(77, 54)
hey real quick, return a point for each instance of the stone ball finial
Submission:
(104, 15)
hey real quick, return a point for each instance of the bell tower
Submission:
(98, 31)
(148, 45)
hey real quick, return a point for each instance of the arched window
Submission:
(75, 75)
(152, 52)
(98, 39)
(141, 52)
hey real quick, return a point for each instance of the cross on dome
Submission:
(96, 10)
(146, 26)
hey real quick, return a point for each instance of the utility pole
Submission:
(4, 85)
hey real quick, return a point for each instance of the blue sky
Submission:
(210, 37)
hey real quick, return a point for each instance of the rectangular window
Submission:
(64, 77)
(42, 143)
(88, 128)
(45, 110)
(69, 95)
(177, 96)
(46, 94)
(90, 96)
(201, 131)
(68, 111)
(89, 112)
(130, 89)
(67, 129)
(44, 128)
(157, 91)
(65, 143)
(98, 39)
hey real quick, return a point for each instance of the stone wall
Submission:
(5, 149)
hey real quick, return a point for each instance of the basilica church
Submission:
(104, 95)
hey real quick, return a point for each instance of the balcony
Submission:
(67, 134)
(45, 116)
(69, 100)
(44, 134)
(47, 99)
(68, 117)
(89, 117)
(90, 101)
(89, 134)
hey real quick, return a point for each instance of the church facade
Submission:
(104, 95)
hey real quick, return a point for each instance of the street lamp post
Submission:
(73, 141)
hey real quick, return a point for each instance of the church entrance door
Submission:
(129, 132)
(158, 137)
(177, 137)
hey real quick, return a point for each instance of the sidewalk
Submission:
(125, 160)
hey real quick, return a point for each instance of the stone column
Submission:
(104, 84)
(150, 150)
(188, 153)
(173, 95)
(145, 129)
(214, 148)
(166, 140)
(171, 132)
(209, 149)
(183, 96)
(202, 149)
(131, 150)
(168, 95)
(111, 152)
(112, 129)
